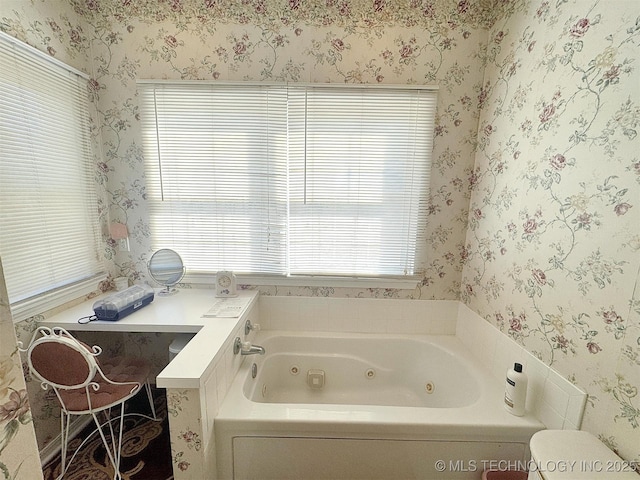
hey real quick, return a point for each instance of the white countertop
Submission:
(180, 313)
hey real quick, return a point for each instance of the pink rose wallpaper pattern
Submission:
(534, 216)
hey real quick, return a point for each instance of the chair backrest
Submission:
(72, 370)
(59, 360)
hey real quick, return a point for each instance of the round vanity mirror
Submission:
(166, 268)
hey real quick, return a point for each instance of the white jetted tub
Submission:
(365, 406)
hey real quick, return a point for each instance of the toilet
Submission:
(574, 454)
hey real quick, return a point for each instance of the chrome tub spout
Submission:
(246, 348)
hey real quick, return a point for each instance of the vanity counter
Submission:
(179, 313)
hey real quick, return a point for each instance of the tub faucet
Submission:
(245, 348)
(248, 349)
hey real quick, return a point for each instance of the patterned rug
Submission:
(146, 451)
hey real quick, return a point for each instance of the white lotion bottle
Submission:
(515, 393)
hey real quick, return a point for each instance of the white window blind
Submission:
(49, 234)
(289, 179)
(216, 174)
(359, 175)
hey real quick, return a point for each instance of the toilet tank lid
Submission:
(576, 454)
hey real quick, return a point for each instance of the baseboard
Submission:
(53, 448)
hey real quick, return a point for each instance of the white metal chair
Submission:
(84, 385)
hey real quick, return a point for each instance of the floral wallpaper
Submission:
(18, 450)
(276, 40)
(187, 454)
(533, 218)
(553, 244)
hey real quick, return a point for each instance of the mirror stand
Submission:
(167, 290)
(166, 268)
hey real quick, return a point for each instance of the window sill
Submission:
(309, 281)
(55, 298)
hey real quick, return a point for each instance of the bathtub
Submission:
(365, 406)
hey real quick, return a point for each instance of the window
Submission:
(290, 180)
(49, 234)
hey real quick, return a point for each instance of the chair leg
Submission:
(113, 450)
(147, 386)
(120, 439)
(65, 419)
